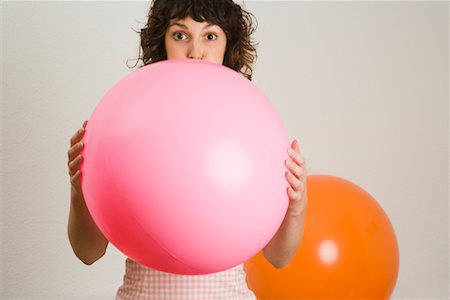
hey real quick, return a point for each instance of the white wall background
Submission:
(363, 85)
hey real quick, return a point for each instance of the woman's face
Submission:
(188, 39)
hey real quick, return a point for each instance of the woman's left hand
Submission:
(296, 176)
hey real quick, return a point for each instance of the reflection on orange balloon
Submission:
(349, 249)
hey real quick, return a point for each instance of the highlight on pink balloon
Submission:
(184, 167)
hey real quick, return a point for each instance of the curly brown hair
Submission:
(238, 25)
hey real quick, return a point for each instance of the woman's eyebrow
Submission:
(178, 24)
(185, 27)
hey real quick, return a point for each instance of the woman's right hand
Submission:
(75, 158)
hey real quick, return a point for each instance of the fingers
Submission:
(294, 182)
(74, 151)
(74, 171)
(295, 153)
(74, 165)
(292, 193)
(75, 179)
(296, 175)
(74, 156)
(75, 142)
(294, 168)
(295, 145)
(78, 135)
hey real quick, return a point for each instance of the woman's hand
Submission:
(75, 158)
(296, 176)
(284, 244)
(87, 241)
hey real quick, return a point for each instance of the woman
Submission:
(217, 31)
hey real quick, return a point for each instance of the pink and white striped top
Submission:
(141, 282)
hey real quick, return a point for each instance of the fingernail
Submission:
(290, 151)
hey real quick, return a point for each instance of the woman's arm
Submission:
(284, 244)
(87, 241)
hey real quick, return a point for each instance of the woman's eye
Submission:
(211, 37)
(179, 36)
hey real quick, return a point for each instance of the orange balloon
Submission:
(349, 249)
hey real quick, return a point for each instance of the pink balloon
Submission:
(184, 167)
